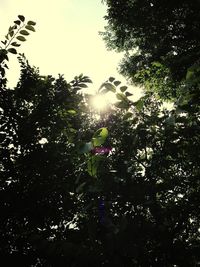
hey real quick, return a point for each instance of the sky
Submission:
(66, 40)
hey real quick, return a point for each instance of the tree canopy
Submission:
(121, 190)
(154, 31)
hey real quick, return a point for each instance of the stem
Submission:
(14, 36)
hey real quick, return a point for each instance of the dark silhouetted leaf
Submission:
(111, 79)
(21, 38)
(116, 83)
(128, 94)
(12, 50)
(123, 88)
(15, 44)
(18, 22)
(22, 18)
(30, 28)
(24, 32)
(32, 23)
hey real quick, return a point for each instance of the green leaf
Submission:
(99, 136)
(103, 132)
(170, 120)
(128, 115)
(122, 104)
(24, 32)
(15, 44)
(30, 28)
(122, 97)
(123, 88)
(104, 91)
(128, 94)
(18, 22)
(31, 23)
(21, 38)
(111, 79)
(22, 18)
(157, 64)
(93, 164)
(110, 87)
(85, 148)
(71, 111)
(116, 83)
(139, 104)
(12, 50)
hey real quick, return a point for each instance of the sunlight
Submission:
(99, 102)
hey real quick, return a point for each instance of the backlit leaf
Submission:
(30, 28)
(32, 23)
(22, 18)
(24, 32)
(18, 22)
(21, 38)
(111, 79)
(12, 50)
(15, 44)
(116, 83)
(123, 88)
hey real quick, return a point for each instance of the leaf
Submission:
(101, 132)
(157, 64)
(24, 32)
(99, 136)
(22, 18)
(121, 96)
(116, 83)
(128, 94)
(104, 91)
(85, 148)
(12, 50)
(121, 104)
(32, 23)
(139, 104)
(82, 85)
(71, 111)
(170, 120)
(110, 87)
(30, 28)
(111, 79)
(87, 80)
(15, 44)
(18, 22)
(4, 42)
(21, 38)
(128, 115)
(11, 33)
(93, 164)
(123, 88)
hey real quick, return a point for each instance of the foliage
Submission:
(154, 31)
(15, 32)
(63, 204)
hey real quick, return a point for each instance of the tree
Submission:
(166, 32)
(64, 202)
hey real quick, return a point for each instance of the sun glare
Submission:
(99, 102)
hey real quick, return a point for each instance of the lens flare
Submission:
(99, 102)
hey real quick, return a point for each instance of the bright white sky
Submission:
(66, 40)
